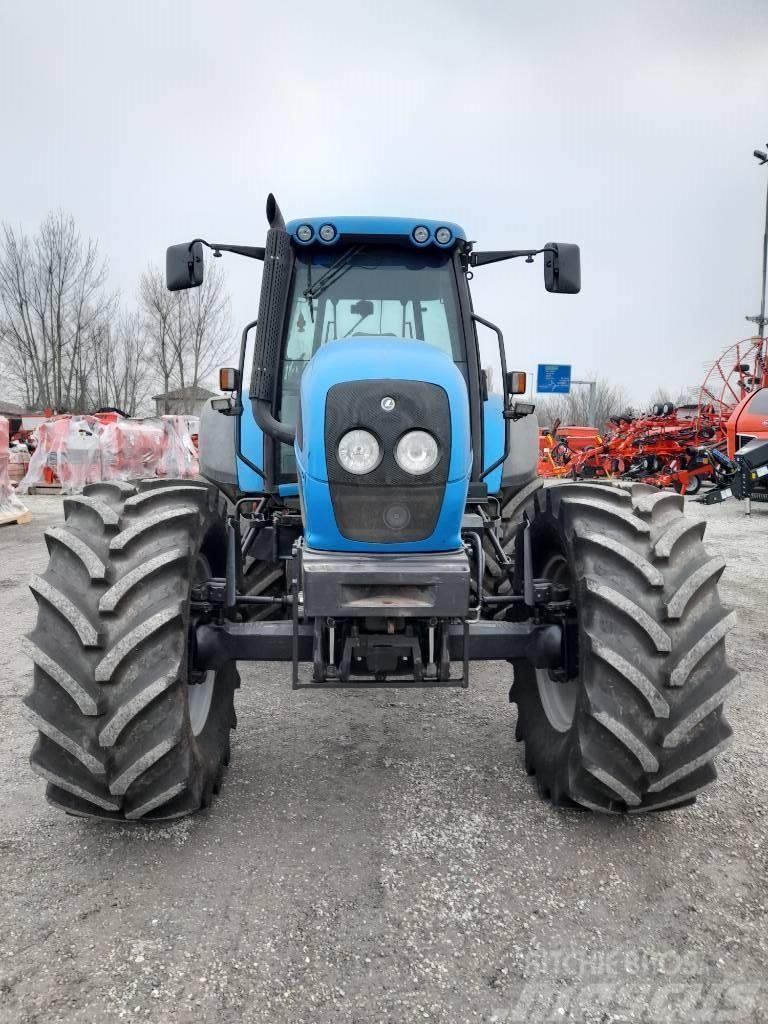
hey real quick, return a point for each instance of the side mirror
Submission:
(229, 379)
(517, 382)
(562, 268)
(184, 266)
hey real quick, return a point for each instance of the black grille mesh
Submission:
(387, 505)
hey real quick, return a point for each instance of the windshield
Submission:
(359, 292)
(372, 291)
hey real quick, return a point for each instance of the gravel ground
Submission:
(381, 856)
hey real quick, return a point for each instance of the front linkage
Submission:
(379, 620)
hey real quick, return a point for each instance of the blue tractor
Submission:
(369, 513)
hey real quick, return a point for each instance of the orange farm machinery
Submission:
(678, 448)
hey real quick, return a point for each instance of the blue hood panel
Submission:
(374, 359)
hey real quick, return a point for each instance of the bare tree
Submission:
(573, 409)
(158, 306)
(52, 300)
(119, 374)
(208, 325)
(661, 396)
(188, 332)
(135, 372)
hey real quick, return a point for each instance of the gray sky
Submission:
(624, 126)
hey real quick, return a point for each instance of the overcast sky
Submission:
(627, 127)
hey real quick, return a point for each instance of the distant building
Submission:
(11, 410)
(13, 413)
(182, 402)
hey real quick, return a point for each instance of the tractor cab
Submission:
(349, 281)
(362, 278)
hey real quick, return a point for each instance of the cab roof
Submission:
(368, 228)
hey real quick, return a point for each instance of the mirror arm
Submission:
(480, 259)
(253, 252)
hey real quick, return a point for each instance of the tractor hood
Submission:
(387, 387)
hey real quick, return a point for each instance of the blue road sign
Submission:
(553, 379)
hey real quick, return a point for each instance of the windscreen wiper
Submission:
(336, 270)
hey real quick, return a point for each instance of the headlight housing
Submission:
(359, 452)
(417, 452)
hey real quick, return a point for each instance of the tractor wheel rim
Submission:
(199, 696)
(200, 691)
(558, 700)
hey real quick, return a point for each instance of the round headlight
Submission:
(327, 232)
(421, 234)
(304, 233)
(443, 235)
(417, 452)
(359, 452)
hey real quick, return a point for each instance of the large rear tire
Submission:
(126, 731)
(640, 725)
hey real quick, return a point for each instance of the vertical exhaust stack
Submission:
(275, 284)
(275, 217)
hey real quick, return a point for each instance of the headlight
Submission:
(359, 452)
(417, 452)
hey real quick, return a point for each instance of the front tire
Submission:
(639, 726)
(126, 731)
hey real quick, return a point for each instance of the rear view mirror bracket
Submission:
(562, 264)
(184, 262)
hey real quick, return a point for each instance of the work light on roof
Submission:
(327, 232)
(421, 234)
(443, 235)
(304, 233)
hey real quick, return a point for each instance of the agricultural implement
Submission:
(678, 448)
(747, 476)
(369, 514)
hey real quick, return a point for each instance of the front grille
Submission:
(386, 515)
(388, 505)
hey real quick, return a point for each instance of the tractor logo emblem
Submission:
(387, 404)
